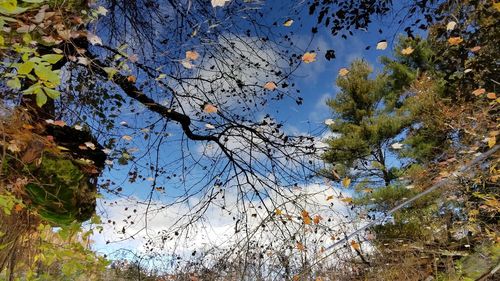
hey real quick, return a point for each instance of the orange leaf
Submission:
(305, 217)
(278, 212)
(316, 219)
(131, 79)
(270, 86)
(491, 96)
(192, 55)
(478, 92)
(455, 41)
(300, 246)
(475, 49)
(59, 123)
(210, 108)
(355, 245)
(18, 207)
(309, 57)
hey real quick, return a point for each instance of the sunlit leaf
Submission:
(343, 72)
(347, 200)
(309, 57)
(93, 39)
(491, 95)
(451, 25)
(478, 92)
(329, 122)
(219, 3)
(131, 78)
(305, 217)
(382, 45)
(346, 182)
(355, 245)
(407, 51)
(288, 23)
(192, 55)
(455, 41)
(270, 86)
(209, 108)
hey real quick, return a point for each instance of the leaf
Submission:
(192, 55)
(18, 207)
(209, 108)
(492, 141)
(346, 182)
(343, 72)
(41, 98)
(288, 23)
(355, 245)
(478, 92)
(52, 58)
(187, 64)
(491, 96)
(127, 137)
(475, 49)
(90, 145)
(407, 51)
(270, 86)
(451, 25)
(305, 217)
(59, 123)
(219, 3)
(329, 122)
(53, 94)
(347, 200)
(101, 11)
(382, 45)
(93, 39)
(454, 41)
(25, 68)
(131, 78)
(209, 126)
(330, 197)
(278, 212)
(317, 219)
(309, 57)
(397, 146)
(14, 83)
(300, 246)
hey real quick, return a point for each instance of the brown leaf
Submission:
(355, 245)
(455, 41)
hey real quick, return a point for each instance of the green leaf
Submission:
(25, 68)
(34, 1)
(33, 89)
(53, 94)
(41, 98)
(2, 40)
(14, 83)
(47, 74)
(8, 6)
(52, 58)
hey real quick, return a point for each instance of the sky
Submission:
(315, 80)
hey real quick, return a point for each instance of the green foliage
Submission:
(63, 193)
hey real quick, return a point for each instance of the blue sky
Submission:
(316, 82)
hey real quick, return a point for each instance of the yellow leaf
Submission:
(455, 41)
(478, 92)
(497, 6)
(317, 219)
(309, 57)
(492, 141)
(346, 200)
(270, 86)
(343, 72)
(288, 22)
(192, 55)
(329, 198)
(368, 190)
(491, 96)
(382, 45)
(407, 51)
(355, 245)
(346, 182)
(278, 212)
(210, 108)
